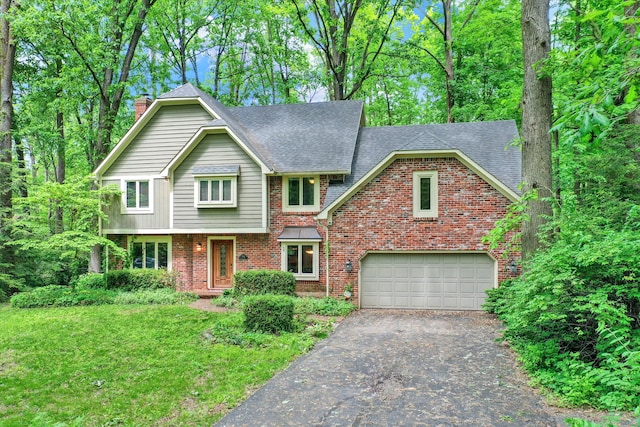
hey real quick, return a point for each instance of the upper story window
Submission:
(300, 193)
(216, 186)
(425, 194)
(216, 192)
(137, 195)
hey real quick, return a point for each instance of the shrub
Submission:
(91, 281)
(155, 296)
(61, 296)
(130, 280)
(261, 282)
(326, 306)
(268, 313)
(574, 316)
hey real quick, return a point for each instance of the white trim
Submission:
(155, 239)
(195, 140)
(265, 201)
(327, 212)
(256, 230)
(432, 212)
(301, 208)
(210, 253)
(124, 210)
(316, 259)
(141, 123)
(197, 203)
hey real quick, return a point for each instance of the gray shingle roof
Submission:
(326, 137)
(316, 137)
(486, 143)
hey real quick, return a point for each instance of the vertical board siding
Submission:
(218, 149)
(160, 140)
(158, 219)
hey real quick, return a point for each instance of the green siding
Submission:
(160, 140)
(159, 219)
(218, 149)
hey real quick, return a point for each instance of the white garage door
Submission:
(425, 281)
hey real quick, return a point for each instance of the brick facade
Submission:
(379, 217)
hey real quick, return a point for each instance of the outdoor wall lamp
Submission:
(348, 266)
(199, 247)
(244, 257)
(513, 267)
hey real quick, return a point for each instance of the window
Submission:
(137, 196)
(301, 259)
(150, 252)
(216, 191)
(425, 194)
(301, 193)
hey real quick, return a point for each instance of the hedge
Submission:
(139, 279)
(261, 282)
(61, 296)
(268, 313)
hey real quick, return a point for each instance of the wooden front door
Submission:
(222, 263)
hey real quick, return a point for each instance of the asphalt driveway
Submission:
(396, 368)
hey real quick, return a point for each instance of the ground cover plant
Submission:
(132, 365)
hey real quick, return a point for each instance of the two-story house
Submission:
(397, 213)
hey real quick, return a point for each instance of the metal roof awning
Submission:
(217, 170)
(294, 234)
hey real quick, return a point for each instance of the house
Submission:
(397, 214)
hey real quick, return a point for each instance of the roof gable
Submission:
(484, 147)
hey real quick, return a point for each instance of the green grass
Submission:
(130, 365)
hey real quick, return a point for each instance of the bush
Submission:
(91, 281)
(138, 279)
(268, 313)
(61, 296)
(326, 306)
(574, 317)
(155, 296)
(261, 282)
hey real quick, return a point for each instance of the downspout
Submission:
(326, 256)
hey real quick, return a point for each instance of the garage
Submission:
(437, 281)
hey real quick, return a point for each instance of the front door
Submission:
(222, 263)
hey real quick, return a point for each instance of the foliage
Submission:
(268, 313)
(574, 315)
(140, 279)
(53, 251)
(61, 296)
(90, 281)
(326, 306)
(259, 282)
(109, 356)
(155, 296)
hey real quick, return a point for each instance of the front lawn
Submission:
(132, 365)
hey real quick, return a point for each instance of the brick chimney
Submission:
(141, 104)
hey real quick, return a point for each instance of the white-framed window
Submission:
(300, 193)
(216, 191)
(302, 259)
(150, 252)
(425, 194)
(137, 195)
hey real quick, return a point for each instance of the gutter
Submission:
(326, 256)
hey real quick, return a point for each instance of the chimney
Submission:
(141, 104)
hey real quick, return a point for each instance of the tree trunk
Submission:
(448, 48)
(7, 60)
(536, 119)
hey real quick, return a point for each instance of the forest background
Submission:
(70, 70)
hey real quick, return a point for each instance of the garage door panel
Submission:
(426, 281)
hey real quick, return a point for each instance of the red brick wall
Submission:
(380, 217)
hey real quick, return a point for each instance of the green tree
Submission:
(349, 35)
